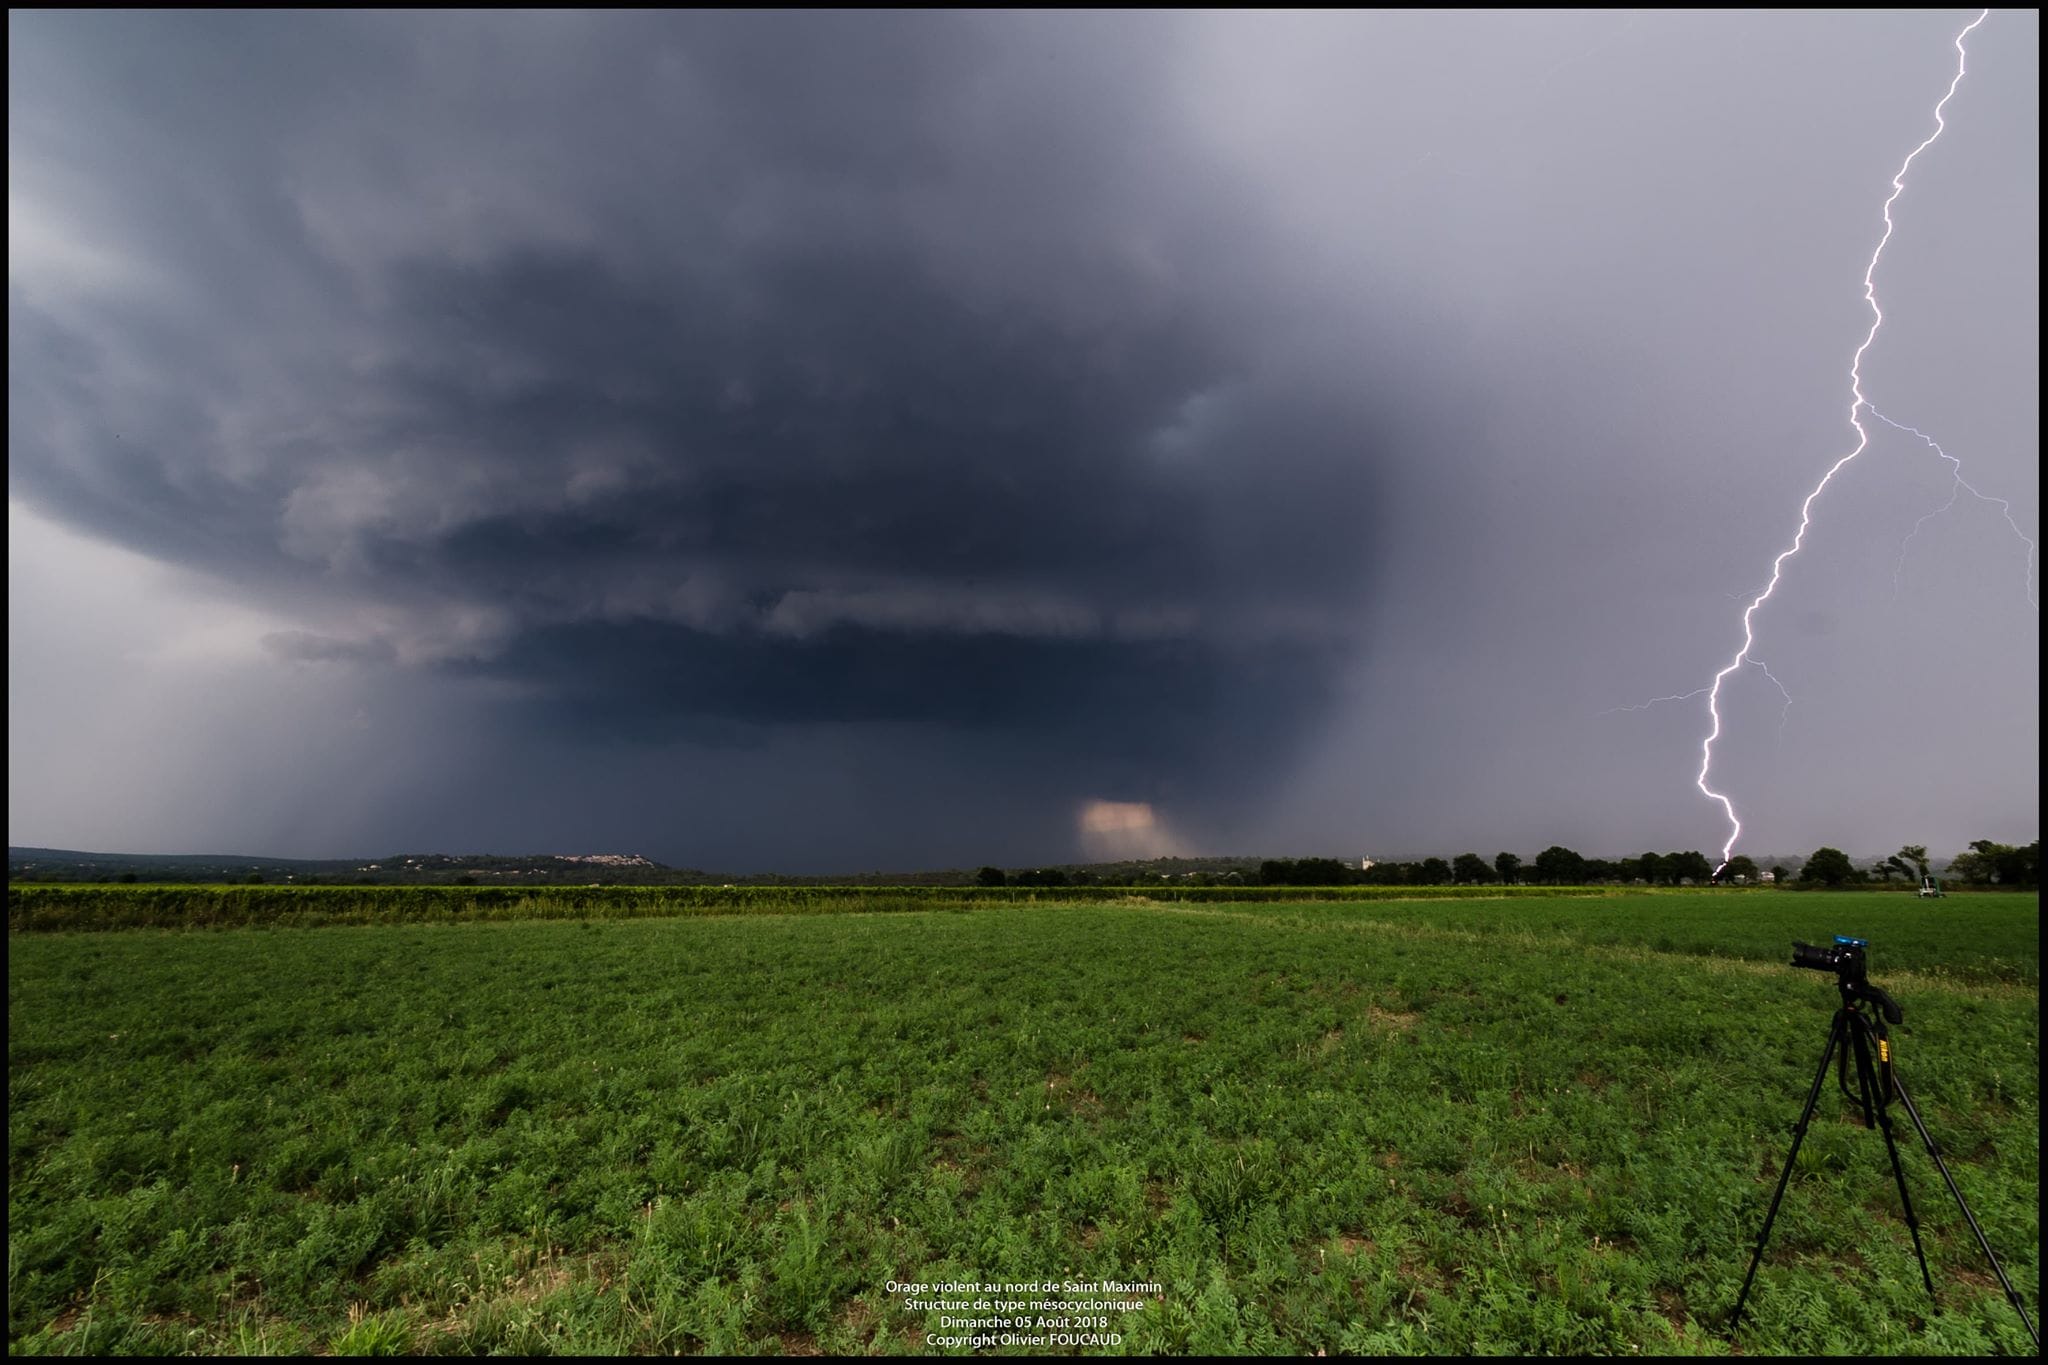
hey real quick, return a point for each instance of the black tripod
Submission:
(1863, 1034)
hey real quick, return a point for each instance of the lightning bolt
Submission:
(1857, 403)
(1785, 714)
(1702, 691)
(1644, 706)
(1956, 491)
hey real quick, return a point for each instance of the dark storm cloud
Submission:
(636, 680)
(742, 435)
(707, 367)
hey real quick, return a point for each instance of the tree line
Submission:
(1986, 864)
(1555, 865)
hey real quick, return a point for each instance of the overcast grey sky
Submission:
(838, 441)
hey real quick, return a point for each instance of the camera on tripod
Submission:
(1858, 1038)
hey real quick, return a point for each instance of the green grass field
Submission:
(64, 907)
(1462, 1125)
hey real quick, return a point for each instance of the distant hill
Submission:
(60, 864)
(65, 864)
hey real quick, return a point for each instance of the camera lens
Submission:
(1816, 959)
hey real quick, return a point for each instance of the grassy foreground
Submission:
(1396, 1126)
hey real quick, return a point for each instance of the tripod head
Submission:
(1847, 959)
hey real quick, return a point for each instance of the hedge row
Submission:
(45, 909)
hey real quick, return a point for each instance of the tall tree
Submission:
(1740, 867)
(1691, 863)
(1559, 865)
(1507, 866)
(1322, 872)
(2004, 864)
(1969, 867)
(1829, 866)
(1470, 867)
(1915, 854)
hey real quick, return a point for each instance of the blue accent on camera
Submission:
(1852, 942)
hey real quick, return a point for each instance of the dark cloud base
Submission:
(1177, 711)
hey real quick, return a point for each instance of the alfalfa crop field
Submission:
(1392, 1125)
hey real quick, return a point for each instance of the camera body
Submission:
(1846, 958)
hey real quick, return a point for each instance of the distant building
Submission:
(1365, 864)
(1767, 876)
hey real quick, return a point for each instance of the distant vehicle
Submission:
(1929, 887)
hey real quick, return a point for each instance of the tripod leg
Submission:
(1875, 1099)
(1820, 1078)
(1934, 1150)
(1860, 1096)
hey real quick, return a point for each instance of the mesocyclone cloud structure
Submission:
(700, 380)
